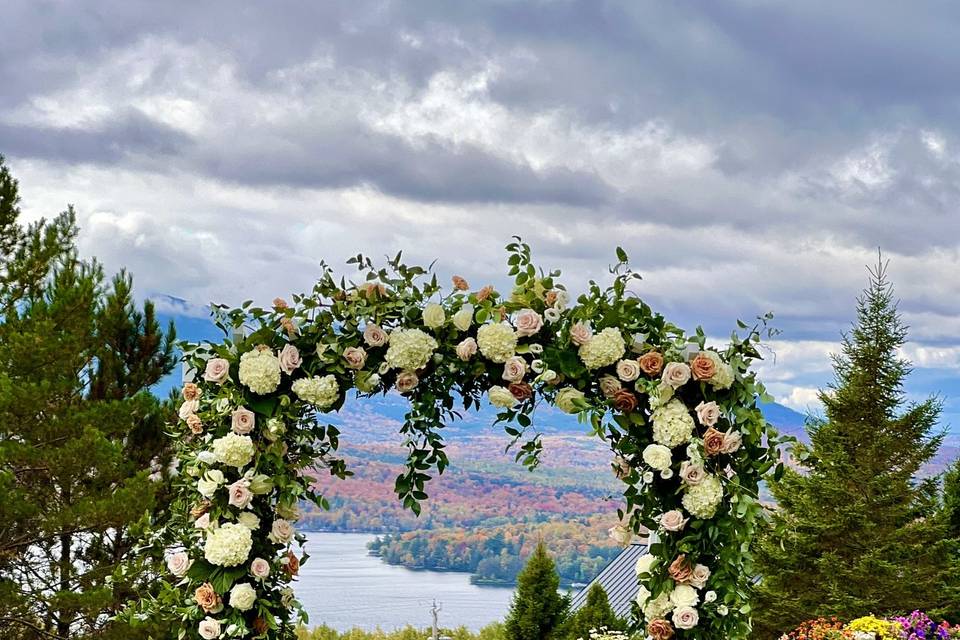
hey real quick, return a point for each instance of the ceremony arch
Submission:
(681, 418)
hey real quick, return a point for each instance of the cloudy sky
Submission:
(750, 155)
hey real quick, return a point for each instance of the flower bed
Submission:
(915, 626)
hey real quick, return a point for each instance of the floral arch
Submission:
(681, 418)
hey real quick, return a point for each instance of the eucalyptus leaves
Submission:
(681, 420)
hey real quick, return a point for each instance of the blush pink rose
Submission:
(194, 424)
(356, 357)
(179, 564)
(673, 520)
(708, 413)
(217, 370)
(609, 386)
(407, 381)
(240, 494)
(467, 349)
(731, 441)
(580, 334)
(289, 359)
(374, 336)
(699, 577)
(242, 421)
(676, 374)
(692, 474)
(628, 370)
(259, 568)
(514, 369)
(528, 322)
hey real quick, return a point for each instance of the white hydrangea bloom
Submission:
(234, 450)
(497, 342)
(320, 391)
(260, 371)
(672, 424)
(603, 349)
(410, 349)
(228, 546)
(702, 500)
(657, 607)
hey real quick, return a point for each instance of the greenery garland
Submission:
(689, 442)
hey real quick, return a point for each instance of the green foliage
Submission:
(493, 631)
(79, 432)
(951, 498)
(856, 532)
(595, 613)
(538, 609)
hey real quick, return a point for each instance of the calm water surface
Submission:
(342, 586)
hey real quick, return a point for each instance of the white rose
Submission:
(568, 398)
(259, 568)
(683, 595)
(210, 482)
(463, 318)
(374, 336)
(501, 397)
(708, 413)
(647, 477)
(628, 370)
(643, 594)
(242, 596)
(209, 629)
(528, 322)
(179, 564)
(434, 316)
(645, 563)
(710, 596)
(621, 533)
(467, 349)
(563, 299)
(281, 532)
(249, 520)
(685, 617)
(657, 456)
(666, 474)
(514, 369)
(676, 374)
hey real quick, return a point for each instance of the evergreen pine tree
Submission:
(79, 430)
(855, 531)
(595, 613)
(951, 499)
(537, 609)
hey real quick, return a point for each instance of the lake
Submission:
(342, 586)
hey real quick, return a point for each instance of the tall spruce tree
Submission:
(596, 613)
(537, 609)
(79, 431)
(856, 531)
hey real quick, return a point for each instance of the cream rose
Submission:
(568, 398)
(683, 595)
(645, 563)
(240, 494)
(609, 386)
(514, 369)
(673, 520)
(657, 456)
(407, 381)
(179, 563)
(355, 357)
(528, 322)
(434, 316)
(580, 334)
(467, 349)
(501, 397)
(463, 318)
(259, 568)
(242, 421)
(628, 370)
(188, 408)
(290, 359)
(242, 596)
(676, 374)
(281, 532)
(217, 370)
(621, 533)
(374, 336)
(708, 413)
(249, 520)
(209, 629)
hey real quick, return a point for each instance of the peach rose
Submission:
(550, 298)
(628, 370)
(713, 441)
(292, 564)
(692, 474)
(731, 441)
(460, 284)
(259, 568)
(373, 289)
(528, 322)
(484, 293)
(194, 424)
(289, 326)
(289, 359)
(651, 363)
(624, 401)
(673, 520)
(702, 367)
(190, 391)
(280, 303)
(659, 629)
(520, 390)
(355, 357)
(188, 407)
(676, 374)
(407, 381)
(699, 576)
(374, 336)
(217, 370)
(680, 569)
(580, 334)
(242, 421)
(609, 386)
(207, 598)
(708, 413)
(240, 494)
(514, 369)
(467, 349)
